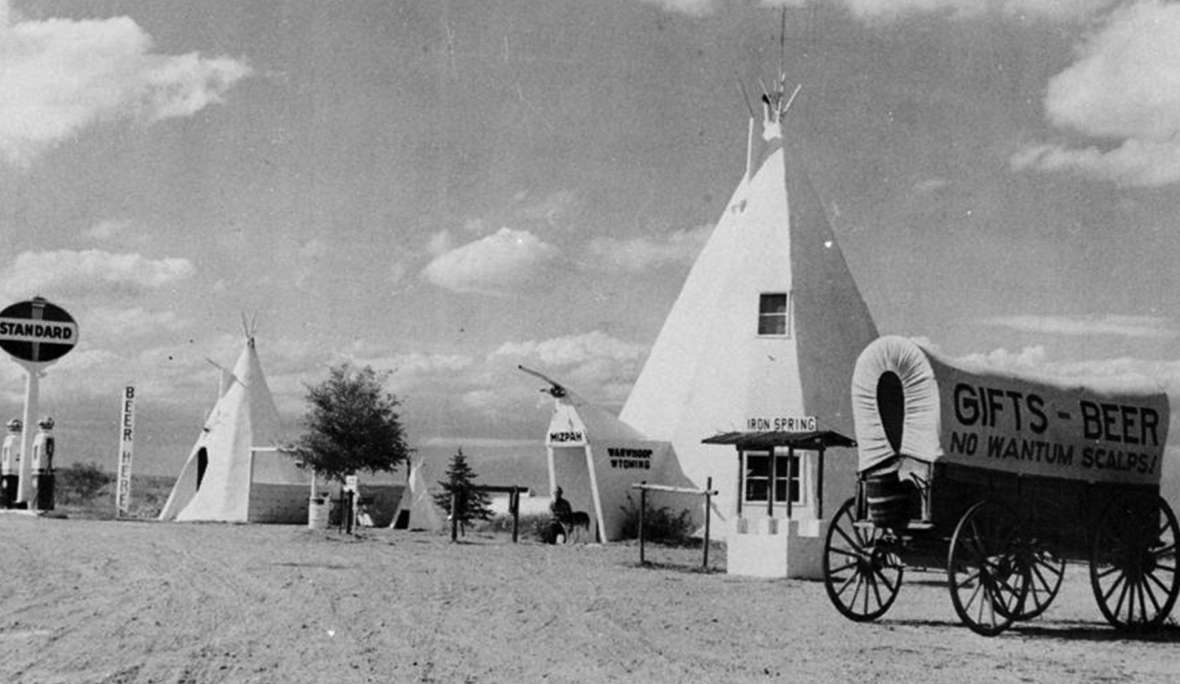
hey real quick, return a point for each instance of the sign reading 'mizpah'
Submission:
(37, 331)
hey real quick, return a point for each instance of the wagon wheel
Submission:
(1133, 563)
(862, 572)
(1045, 569)
(987, 581)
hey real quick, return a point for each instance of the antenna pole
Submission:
(746, 99)
(782, 46)
(792, 98)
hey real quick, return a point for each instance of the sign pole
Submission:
(126, 450)
(32, 397)
(35, 333)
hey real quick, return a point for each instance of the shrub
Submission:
(660, 524)
(530, 526)
(79, 483)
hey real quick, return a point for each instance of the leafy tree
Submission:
(80, 482)
(472, 504)
(352, 424)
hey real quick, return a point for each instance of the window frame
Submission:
(766, 314)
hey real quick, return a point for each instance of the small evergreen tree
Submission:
(352, 425)
(471, 504)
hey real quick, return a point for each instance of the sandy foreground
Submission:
(103, 601)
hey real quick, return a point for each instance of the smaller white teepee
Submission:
(416, 500)
(232, 474)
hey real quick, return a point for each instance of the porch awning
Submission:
(815, 440)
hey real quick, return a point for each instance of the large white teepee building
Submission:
(234, 472)
(763, 337)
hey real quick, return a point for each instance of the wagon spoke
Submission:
(842, 568)
(1145, 589)
(884, 580)
(1113, 586)
(852, 561)
(1122, 595)
(848, 539)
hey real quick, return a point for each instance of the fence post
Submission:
(708, 507)
(514, 504)
(454, 514)
(642, 510)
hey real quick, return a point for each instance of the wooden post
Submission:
(708, 506)
(454, 514)
(819, 484)
(790, 473)
(741, 480)
(772, 472)
(642, 508)
(514, 505)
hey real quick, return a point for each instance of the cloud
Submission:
(106, 230)
(440, 243)
(638, 254)
(1144, 327)
(694, 8)
(551, 209)
(891, 10)
(1124, 87)
(930, 186)
(1028, 358)
(68, 272)
(115, 325)
(572, 349)
(60, 76)
(496, 264)
(596, 365)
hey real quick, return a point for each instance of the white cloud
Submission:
(114, 325)
(1124, 86)
(552, 208)
(638, 254)
(59, 76)
(440, 243)
(572, 349)
(89, 271)
(931, 186)
(1027, 358)
(106, 230)
(1151, 327)
(695, 8)
(496, 264)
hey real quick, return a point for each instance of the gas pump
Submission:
(10, 464)
(42, 466)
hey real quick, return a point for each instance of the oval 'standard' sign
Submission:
(37, 331)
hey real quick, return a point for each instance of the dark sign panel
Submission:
(37, 331)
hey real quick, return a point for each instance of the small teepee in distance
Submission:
(234, 473)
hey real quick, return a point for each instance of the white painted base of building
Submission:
(776, 547)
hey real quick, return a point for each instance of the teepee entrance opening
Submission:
(202, 464)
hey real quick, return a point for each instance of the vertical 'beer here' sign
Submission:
(126, 443)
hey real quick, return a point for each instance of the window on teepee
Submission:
(774, 314)
(757, 477)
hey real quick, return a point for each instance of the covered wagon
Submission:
(1002, 478)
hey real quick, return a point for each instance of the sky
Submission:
(445, 190)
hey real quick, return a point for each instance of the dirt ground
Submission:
(105, 601)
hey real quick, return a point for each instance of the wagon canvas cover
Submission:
(907, 400)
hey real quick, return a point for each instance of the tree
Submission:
(471, 504)
(352, 424)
